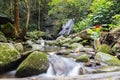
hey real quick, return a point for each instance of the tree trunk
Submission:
(39, 17)
(27, 2)
(17, 24)
(11, 8)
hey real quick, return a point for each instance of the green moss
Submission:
(107, 58)
(34, 64)
(83, 58)
(8, 57)
(105, 49)
(7, 54)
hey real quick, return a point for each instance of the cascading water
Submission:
(66, 28)
(60, 66)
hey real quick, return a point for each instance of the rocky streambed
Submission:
(44, 60)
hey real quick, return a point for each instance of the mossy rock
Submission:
(75, 45)
(76, 39)
(105, 49)
(19, 47)
(8, 29)
(8, 55)
(35, 63)
(83, 58)
(66, 40)
(107, 58)
(2, 37)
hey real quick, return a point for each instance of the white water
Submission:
(60, 66)
(66, 28)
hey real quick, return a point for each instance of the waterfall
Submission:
(66, 28)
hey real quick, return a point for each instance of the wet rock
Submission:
(105, 49)
(19, 47)
(97, 63)
(8, 57)
(88, 49)
(83, 71)
(107, 58)
(34, 45)
(107, 69)
(52, 43)
(63, 52)
(83, 58)
(88, 64)
(2, 37)
(35, 63)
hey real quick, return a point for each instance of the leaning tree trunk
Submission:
(16, 13)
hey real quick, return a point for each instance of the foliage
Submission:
(81, 25)
(103, 14)
(115, 22)
(67, 9)
(35, 34)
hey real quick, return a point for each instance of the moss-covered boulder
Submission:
(105, 49)
(35, 63)
(8, 57)
(2, 37)
(8, 29)
(83, 58)
(107, 58)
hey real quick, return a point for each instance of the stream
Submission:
(66, 68)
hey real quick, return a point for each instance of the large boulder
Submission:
(107, 58)
(35, 63)
(8, 57)
(2, 37)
